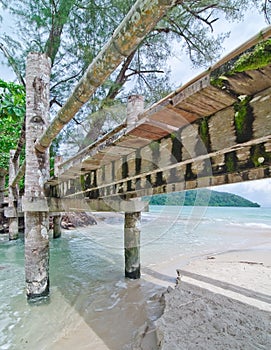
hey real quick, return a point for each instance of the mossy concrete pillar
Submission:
(132, 244)
(13, 194)
(34, 202)
(56, 226)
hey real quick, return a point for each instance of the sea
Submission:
(90, 302)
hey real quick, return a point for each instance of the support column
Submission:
(135, 106)
(56, 226)
(132, 244)
(36, 174)
(2, 191)
(13, 194)
(57, 161)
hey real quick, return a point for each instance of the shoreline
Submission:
(221, 301)
(131, 319)
(235, 284)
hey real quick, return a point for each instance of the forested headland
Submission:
(201, 197)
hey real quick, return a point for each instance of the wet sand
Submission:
(221, 301)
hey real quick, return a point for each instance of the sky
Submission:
(257, 191)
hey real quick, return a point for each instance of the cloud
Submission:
(257, 191)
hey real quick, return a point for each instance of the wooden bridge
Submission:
(214, 130)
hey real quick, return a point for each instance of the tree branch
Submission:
(267, 11)
(196, 14)
(59, 19)
(65, 80)
(13, 64)
(20, 143)
(54, 100)
(135, 71)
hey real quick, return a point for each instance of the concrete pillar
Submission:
(56, 226)
(2, 193)
(13, 194)
(58, 161)
(34, 202)
(135, 106)
(132, 244)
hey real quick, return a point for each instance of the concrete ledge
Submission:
(31, 204)
(10, 212)
(91, 205)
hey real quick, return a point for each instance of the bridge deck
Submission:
(209, 101)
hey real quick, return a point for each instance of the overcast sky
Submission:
(257, 191)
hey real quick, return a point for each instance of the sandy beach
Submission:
(221, 301)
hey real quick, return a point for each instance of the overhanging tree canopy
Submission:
(73, 32)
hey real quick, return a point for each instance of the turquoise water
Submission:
(86, 274)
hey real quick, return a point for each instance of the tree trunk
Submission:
(36, 174)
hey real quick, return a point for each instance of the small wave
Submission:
(251, 225)
(108, 307)
(121, 284)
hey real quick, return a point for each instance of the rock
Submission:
(72, 220)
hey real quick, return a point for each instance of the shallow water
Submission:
(88, 290)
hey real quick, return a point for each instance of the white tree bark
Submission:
(36, 174)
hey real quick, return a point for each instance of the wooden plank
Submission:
(186, 115)
(201, 103)
(132, 142)
(202, 99)
(115, 150)
(105, 157)
(148, 131)
(169, 116)
(250, 82)
(191, 90)
(218, 97)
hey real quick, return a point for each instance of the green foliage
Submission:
(12, 112)
(204, 132)
(243, 119)
(230, 162)
(259, 155)
(73, 32)
(201, 197)
(258, 58)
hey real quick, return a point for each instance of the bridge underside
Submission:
(215, 130)
(201, 136)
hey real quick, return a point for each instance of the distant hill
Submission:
(201, 197)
